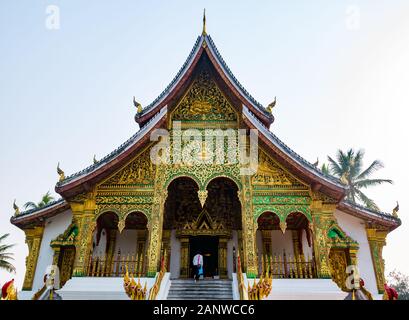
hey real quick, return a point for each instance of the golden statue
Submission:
(133, 289)
(16, 208)
(9, 291)
(395, 210)
(137, 105)
(272, 105)
(60, 172)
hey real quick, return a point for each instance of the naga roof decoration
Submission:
(154, 115)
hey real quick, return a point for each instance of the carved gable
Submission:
(139, 171)
(204, 102)
(269, 173)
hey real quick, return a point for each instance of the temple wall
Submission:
(174, 255)
(233, 242)
(307, 250)
(126, 241)
(355, 228)
(54, 226)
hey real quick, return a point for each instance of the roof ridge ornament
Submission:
(137, 105)
(204, 23)
(16, 208)
(396, 210)
(272, 105)
(60, 172)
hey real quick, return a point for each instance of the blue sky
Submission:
(339, 70)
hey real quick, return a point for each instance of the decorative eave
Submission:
(85, 179)
(205, 44)
(294, 162)
(381, 218)
(36, 217)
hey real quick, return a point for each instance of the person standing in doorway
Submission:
(198, 265)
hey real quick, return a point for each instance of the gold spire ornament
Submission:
(95, 159)
(16, 208)
(395, 210)
(60, 172)
(204, 23)
(272, 105)
(137, 105)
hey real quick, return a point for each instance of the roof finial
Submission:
(204, 23)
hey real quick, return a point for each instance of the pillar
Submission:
(33, 240)
(377, 240)
(267, 252)
(222, 258)
(140, 251)
(84, 218)
(322, 216)
(155, 231)
(249, 229)
(184, 257)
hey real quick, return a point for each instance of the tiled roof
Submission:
(185, 67)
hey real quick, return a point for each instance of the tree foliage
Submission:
(400, 282)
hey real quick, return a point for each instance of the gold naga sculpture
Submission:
(260, 288)
(137, 105)
(16, 208)
(9, 291)
(272, 105)
(60, 172)
(134, 289)
(396, 210)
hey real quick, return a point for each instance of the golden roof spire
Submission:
(204, 22)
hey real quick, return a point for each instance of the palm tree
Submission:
(6, 256)
(46, 199)
(348, 167)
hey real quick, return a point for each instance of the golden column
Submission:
(184, 257)
(155, 231)
(84, 218)
(377, 240)
(33, 240)
(223, 257)
(322, 215)
(249, 229)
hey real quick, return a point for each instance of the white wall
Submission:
(126, 241)
(174, 255)
(53, 227)
(307, 250)
(355, 228)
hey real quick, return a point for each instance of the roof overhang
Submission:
(84, 180)
(294, 162)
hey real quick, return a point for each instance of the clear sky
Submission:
(339, 69)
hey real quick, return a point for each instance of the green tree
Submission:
(5, 255)
(400, 282)
(46, 199)
(348, 167)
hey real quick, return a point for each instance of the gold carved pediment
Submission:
(269, 173)
(138, 171)
(204, 101)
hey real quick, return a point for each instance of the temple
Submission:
(283, 216)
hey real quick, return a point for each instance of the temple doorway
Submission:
(208, 247)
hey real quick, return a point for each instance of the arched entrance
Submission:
(209, 224)
(118, 244)
(285, 248)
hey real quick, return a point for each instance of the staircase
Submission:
(187, 289)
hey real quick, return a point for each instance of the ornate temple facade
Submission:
(286, 218)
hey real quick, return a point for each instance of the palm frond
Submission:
(371, 182)
(375, 166)
(335, 168)
(369, 203)
(7, 266)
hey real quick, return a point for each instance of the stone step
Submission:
(187, 289)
